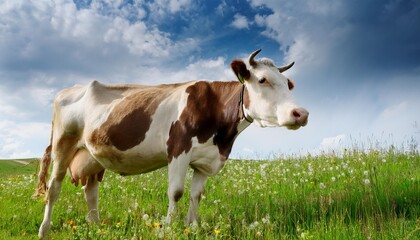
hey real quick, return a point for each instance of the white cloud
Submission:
(211, 69)
(396, 110)
(260, 20)
(23, 139)
(333, 143)
(222, 8)
(240, 22)
(160, 8)
(94, 38)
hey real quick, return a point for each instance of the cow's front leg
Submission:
(197, 189)
(177, 170)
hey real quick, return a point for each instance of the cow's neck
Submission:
(233, 121)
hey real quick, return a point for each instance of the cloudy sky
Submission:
(357, 62)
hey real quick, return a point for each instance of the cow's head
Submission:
(269, 93)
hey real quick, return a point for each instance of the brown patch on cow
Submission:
(130, 119)
(212, 110)
(290, 84)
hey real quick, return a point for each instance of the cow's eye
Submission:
(262, 80)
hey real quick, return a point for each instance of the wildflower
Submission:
(366, 173)
(186, 231)
(157, 225)
(333, 179)
(384, 160)
(266, 219)
(322, 185)
(70, 222)
(145, 217)
(217, 231)
(366, 181)
(118, 224)
(258, 234)
(74, 228)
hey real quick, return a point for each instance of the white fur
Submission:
(271, 104)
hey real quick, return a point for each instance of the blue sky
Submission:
(357, 65)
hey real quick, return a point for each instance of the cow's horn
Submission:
(284, 68)
(251, 58)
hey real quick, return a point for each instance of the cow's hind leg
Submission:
(91, 195)
(63, 153)
(197, 189)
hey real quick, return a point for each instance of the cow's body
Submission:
(133, 129)
(136, 129)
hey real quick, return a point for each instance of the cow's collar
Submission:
(241, 102)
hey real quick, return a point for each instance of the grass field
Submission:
(360, 195)
(18, 166)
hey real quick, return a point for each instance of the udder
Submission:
(84, 167)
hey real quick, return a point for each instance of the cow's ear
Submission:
(290, 84)
(239, 68)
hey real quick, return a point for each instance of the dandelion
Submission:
(74, 228)
(266, 219)
(145, 217)
(186, 231)
(366, 173)
(384, 160)
(333, 179)
(118, 224)
(322, 185)
(157, 225)
(366, 181)
(217, 231)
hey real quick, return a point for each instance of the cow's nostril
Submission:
(296, 114)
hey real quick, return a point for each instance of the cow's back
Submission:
(124, 127)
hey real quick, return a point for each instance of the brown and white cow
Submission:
(133, 129)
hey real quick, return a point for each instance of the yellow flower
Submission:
(70, 222)
(312, 182)
(74, 228)
(186, 231)
(157, 225)
(217, 231)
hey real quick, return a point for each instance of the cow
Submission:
(132, 129)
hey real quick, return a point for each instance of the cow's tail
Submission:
(44, 166)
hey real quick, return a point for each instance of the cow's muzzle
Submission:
(299, 118)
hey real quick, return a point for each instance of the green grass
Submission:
(360, 195)
(11, 167)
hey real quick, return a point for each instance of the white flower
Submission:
(333, 179)
(366, 173)
(366, 181)
(145, 217)
(322, 185)
(384, 160)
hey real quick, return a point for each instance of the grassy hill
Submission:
(18, 166)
